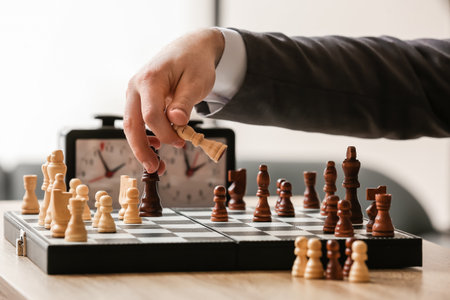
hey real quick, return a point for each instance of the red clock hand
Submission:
(97, 179)
(111, 173)
(194, 168)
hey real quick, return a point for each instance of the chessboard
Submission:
(184, 239)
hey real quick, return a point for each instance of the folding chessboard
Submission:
(185, 239)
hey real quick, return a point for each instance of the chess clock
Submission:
(99, 156)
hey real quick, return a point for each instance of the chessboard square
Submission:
(154, 235)
(198, 229)
(136, 226)
(195, 214)
(243, 216)
(329, 237)
(207, 239)
(110, 235)
(361, 231)
(312, 228)
(271, 224)
(183, 226)
(199, 234)
(296, 219)
(287, 233)
(278, 228)
(118, 241)
(165, 222)
(246, 233)
(226, 224)
(157, 240)
(317, 215)
(143, 230)
(248, 238)
(303, 224)
(230, 221)
(239, 229)
(30, 218)
(166, 218)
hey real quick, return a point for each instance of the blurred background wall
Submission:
(63, 61)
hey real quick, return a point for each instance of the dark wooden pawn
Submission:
(310, 196)
(372, 209)
(262, 210)
(285, 208)
(344, 227)
(383, 223)
(237, 189)
(279, 182)
(334, 270)
(348, 251)
(150, 202)
(332, 217)
(351, 167)
(219, 212)
(330, 176)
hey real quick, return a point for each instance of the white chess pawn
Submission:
(106, 223)
(131, 215)
(98, 213)
(359, 271)
(30, 204)
(298, 269)
(314, 268)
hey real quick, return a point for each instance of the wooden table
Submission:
(20, 278)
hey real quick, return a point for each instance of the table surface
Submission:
(20, 278)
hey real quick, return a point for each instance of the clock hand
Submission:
(117, 168)
(193, 170)
(97, 179)
(108, 174)
(103, 162)
(186, 160)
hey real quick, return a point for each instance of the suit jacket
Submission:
(366, 87)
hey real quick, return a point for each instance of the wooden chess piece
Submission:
(285, 208)
(237, 189)
(332, 217)
(279, 182)
(330, 176)
(351, 167)
(344, 227)
(219, 212)
(314, 268)
(60, 212)
(262, 211)
(298, 269)
(106, 223)
(59, 184)
(334, 270)
(122, 195)
(46, 201)
(131, 215)
(348, 252)
(73, 184)
(150, 201)
(30, 204)
(383, 223)
(55, 166)
(76, 230)
(98, 213)
(359, 271)
(213, 149)
(372, 209)
(310, 196)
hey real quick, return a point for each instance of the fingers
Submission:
(134, 129)
(154, 142)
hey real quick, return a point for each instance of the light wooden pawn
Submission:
(213, 149)
(60, 213)
(76, 230)
(298, 269)
(46, 201)
(98, 213)
(314, 268)
(125, 183)
(30, 204)
(132, 213)
(359, 271)
(55, 166)
(106, 223)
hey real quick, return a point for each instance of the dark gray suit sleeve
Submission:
(364, 87)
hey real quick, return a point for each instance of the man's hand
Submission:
(166, 89)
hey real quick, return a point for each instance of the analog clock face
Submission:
(100, 162)
(190, 176)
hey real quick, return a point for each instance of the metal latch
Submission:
(21, 244)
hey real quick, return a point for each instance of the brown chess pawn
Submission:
(310, 196)
(219, 212)
(334, 270)
(150, 201)
(344, 227)
(279, 182)
(383, 223)
(237, 189)
(348, 252)
(285, 208)
(372, 209)
(30, 204)
(351, 166)
(330, 176)
(262, 211)
(332, 217)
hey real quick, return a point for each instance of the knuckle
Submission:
(150, 115)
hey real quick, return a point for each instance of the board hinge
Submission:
(21, 244)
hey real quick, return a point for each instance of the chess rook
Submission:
(219, 212)
(98, 213)
(285, 208)
(330, 176)
(348, 252)
(334, 270)
(383, 223)
(372, 209)
(310, 196)
(262, 211)
(47, 195)
(351, 166)
(298, 269)
(314, 268)
(237, 189)
(106, 223)
(344, 227)
(150, 201)
(359, 271)
(213, 149)
(332, 217)
(60, 212)
(30, 204)
(279, 182)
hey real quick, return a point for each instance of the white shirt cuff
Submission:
(230, 72)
